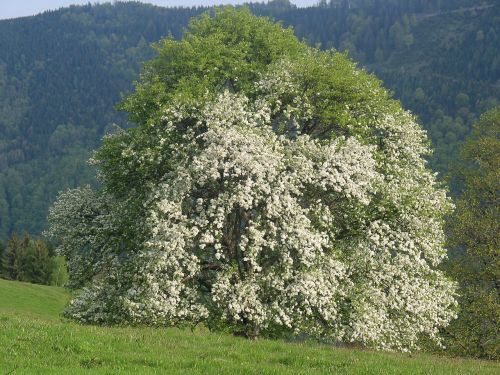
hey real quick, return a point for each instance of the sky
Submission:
(21, 8)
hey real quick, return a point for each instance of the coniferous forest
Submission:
(62, 72)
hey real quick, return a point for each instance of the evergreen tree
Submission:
(36, 265)
(12, 257)
(474, 235)
(26, 260)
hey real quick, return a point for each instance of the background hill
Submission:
(62, 72)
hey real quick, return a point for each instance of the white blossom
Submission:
(264, 227)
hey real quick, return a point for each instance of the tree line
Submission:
(23, 258)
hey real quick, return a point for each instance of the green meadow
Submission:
(35, 339)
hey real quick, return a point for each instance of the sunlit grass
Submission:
(35, 340)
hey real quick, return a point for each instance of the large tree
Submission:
(267, 188)
(474, 236)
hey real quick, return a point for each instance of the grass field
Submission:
(34, 339)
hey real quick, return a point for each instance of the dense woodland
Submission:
(63, 72)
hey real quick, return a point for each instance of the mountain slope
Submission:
(62, 73)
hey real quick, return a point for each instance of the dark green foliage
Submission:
(62, 72)
(26, 259)
(36, 266)
(13, 256)
(475, 237)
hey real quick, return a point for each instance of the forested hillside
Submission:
(63, 72)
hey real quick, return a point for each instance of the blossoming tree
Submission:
(268, 188)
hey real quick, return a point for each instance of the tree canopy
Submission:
(268, 188)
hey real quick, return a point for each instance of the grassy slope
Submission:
(34, 339)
